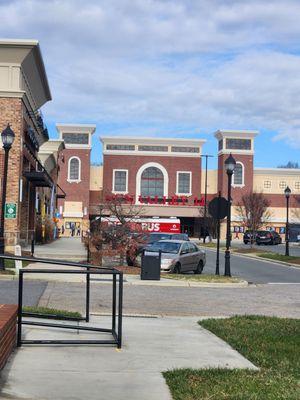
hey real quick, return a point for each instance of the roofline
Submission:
(141, 138)
(33, 44)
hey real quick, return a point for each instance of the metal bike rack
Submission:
(116, 322)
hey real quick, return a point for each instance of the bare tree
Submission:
(253, 211)
(116, 233)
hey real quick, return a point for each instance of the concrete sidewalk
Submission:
(151, 345)
(63, 248)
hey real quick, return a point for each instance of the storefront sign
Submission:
(10, 210)
(172, 201)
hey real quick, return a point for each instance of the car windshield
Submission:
(155, 237)
(165, 247)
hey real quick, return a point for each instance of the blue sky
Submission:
(177, 68)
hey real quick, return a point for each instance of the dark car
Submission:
(137, 246)
(268, 237)
(249, 237)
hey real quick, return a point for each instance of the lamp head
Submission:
(8, 137)
(287, 192)
(230, 164)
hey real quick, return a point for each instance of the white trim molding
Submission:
(239, 185)
(139, 175)
(79, 170)
(177, 183)
(113, 181)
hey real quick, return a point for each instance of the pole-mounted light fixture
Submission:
(230, 164)
(7, 137)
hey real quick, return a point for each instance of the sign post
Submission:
(218, 209)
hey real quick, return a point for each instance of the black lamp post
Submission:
(230, 164)
(287, 192)
(8, 138)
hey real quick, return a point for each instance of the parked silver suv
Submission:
(179, 256)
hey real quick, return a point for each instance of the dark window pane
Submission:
(120, 147)
(184, 149)
(76, 138)
(184, 182)
(238, 144)
(238, 174)
(220, 144)
(152, 182)
(120, 181)
(152, 148)
(74, 169)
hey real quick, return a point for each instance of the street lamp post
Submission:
(8, 138)
(287, 193)
(230, 164)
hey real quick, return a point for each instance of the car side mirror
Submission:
(183, 252)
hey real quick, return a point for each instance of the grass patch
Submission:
(272, 344)
(280, 257)
(7, 272)
(252, 250)
(52, 311)
(11, 264)
(202, 278)
(209, 244)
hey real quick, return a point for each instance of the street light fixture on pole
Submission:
(8, 137)
(287, 192)
(230, 164)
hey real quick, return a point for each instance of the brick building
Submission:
(164, 177)
(74, 177)
(31, 186)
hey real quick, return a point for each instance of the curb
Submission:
(284, 263)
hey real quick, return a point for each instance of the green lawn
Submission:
(280, 257)
(11, 264)
(272, 344)
(202, 278)
(51, 311)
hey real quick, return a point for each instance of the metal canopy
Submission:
(38, 178)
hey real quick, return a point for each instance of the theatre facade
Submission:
(165, 178)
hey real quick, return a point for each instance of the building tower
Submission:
(74, 177)
(241, 144)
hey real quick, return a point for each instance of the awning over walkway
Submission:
(39, 178)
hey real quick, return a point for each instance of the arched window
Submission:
(238, 174)
(152, 182)
(74, 169)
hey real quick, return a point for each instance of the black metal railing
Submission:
(86, 269)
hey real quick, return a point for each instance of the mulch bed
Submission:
(129, 270)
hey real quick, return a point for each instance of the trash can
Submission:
(150, 265)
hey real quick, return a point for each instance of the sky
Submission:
(170, 68)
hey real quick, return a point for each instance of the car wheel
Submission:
(245, 242)
(200, 267)
(271, 242)
(177, 269)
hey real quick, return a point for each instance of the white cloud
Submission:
(183, 65)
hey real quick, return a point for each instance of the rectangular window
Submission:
(282, 185)
(238, 144)
(267, 184)
(184, 183)
(181, 149)
(297, 185)
(152, 148)
(76, 138)
(124, 147)
(120, 181)
(221, 144)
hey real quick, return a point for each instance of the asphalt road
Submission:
(254, 270)
(32, 292)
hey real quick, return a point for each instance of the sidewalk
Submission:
(64, 248)
(151, 346)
